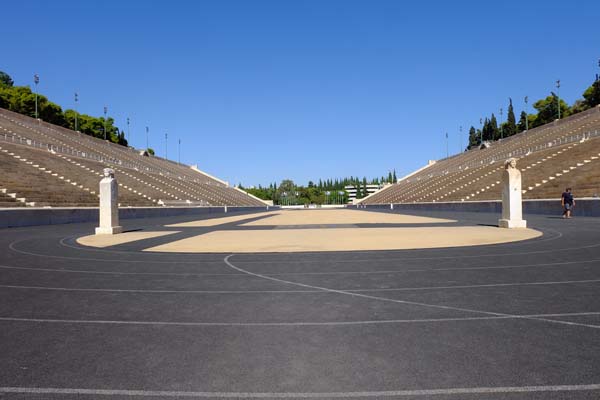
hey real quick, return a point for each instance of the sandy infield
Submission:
(340, 216)
(218, 221)
(344, 239)
(316, 230)
(122, 238)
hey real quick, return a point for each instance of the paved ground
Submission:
(507, 321)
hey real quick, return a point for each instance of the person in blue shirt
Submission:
(567, 202)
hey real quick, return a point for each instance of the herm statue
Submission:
(512, 203)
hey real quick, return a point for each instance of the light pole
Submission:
(446, 144)
(501, 131)
(526, 113)
(147, 129)
(128, 130)
(76, 113)
(36, 80)
(460, 139)
(166, 154)
(105, 111)
(597, 81)
(558, 96)
(179, 151)
(481, 131)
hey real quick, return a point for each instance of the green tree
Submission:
(473, 137)
(548, 109)
(51, 112)
(21, 99)
(494, 129)
(286, 189)
(592, 94)
(510, 127)
(5, 79)
(579, 106)
(485, 130)
(522, 125)
(121, 138)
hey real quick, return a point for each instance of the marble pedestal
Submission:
(512, 203)
(109, 205)
(508, 223)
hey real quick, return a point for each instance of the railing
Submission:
(525, 151)
(91, 155)
(68, 151)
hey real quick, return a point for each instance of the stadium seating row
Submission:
(46, 165)
(551, 157)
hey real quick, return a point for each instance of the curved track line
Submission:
(61, 242)
(515, 243)
(405, 289)
(299, 323)
(238, 395)
(12, 247)
(437, 306)
(66, 270)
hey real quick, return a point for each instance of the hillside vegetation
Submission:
(21, 99)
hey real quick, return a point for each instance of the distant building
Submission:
(351, 190)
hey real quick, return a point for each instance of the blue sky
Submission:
(260, 91)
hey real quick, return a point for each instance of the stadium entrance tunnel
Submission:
(309, 231)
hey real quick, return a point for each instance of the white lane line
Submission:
(81, 271)
(66, 270)
(387, 393)
(300, 323)
(14, 249)
(489, 285)
(406, 289)
(437, 306)
(395, 271)
(157, 290)
(87, 248)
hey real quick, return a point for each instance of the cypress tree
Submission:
(522, 122)
(510, 128)
(485, 130)
(473, 137)
(494, 132)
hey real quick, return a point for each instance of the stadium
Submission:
(126, 275)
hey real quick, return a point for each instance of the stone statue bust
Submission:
(109, 173)
(511, 163)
